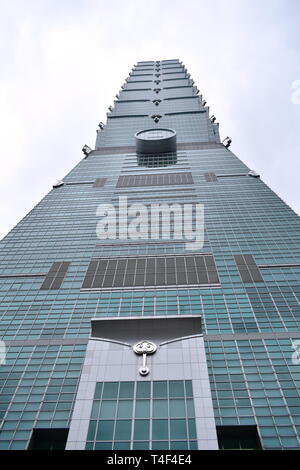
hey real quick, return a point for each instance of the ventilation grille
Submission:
(151, 271)
(154, 180)
(248, 268)
(55, 275)
(99, 182)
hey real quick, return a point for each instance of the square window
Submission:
(177, 408)
(160, 389)
(176, 388)
(110, 390)
(126, 390)
(178, 429)
(160, 429)
(123, 430)
(108, 409)
(105, 430)
(160, 408)
(125, 409)
(142, 409)
(141, 429)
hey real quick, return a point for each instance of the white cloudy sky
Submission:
(63, 61)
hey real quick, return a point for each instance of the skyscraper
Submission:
(118, 335)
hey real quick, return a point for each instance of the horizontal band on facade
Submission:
(246, 336)
(207, 337)
(149, 190)
(166, 196)
(281, 265)
(182, 255)
(45, 342)
(3, 276)
(152, 288)
(146, 243)
(180, 146)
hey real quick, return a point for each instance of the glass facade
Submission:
(249, 303)
(156, 415)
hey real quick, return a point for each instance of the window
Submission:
(48, 439)
(143, 415)
(238, 437)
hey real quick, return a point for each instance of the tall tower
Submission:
(117, 332)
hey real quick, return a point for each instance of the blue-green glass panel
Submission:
(160, 389)
(192, 429)
(160, 445)
(92, 430)
(160, 408)
(110, 390)
(179, 445)
(160, 429)
(121, 445)
(98, 390)
(177, 408)
(140, 445)
(125, 409)
(123, 430)
(108, 409)
(143, 390)
(178, 429)
(142, 409)
(176, 388)
(103, 446)
(105, 430)
(141, 429)
(126, 390)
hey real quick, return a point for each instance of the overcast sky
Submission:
(63, 61)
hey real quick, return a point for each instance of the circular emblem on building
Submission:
(155, 141)
(144, 348)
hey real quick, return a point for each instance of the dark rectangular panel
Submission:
(151, 271)
(140, 272)
(110, 272)
(255, 274)
(211, 269)
(120, 273)
(159, 179)
(201, 269)
(57, 282)
(248, 269)
(90, 274)
(191, 272)
(170, 271)
(99, 182)
(180, 270)
(56, 275)
(210, 177)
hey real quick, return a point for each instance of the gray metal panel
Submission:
(131, 330)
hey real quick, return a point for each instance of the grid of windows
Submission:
(254, 382)
(242, 215)
(143, 415)
(38, 387)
